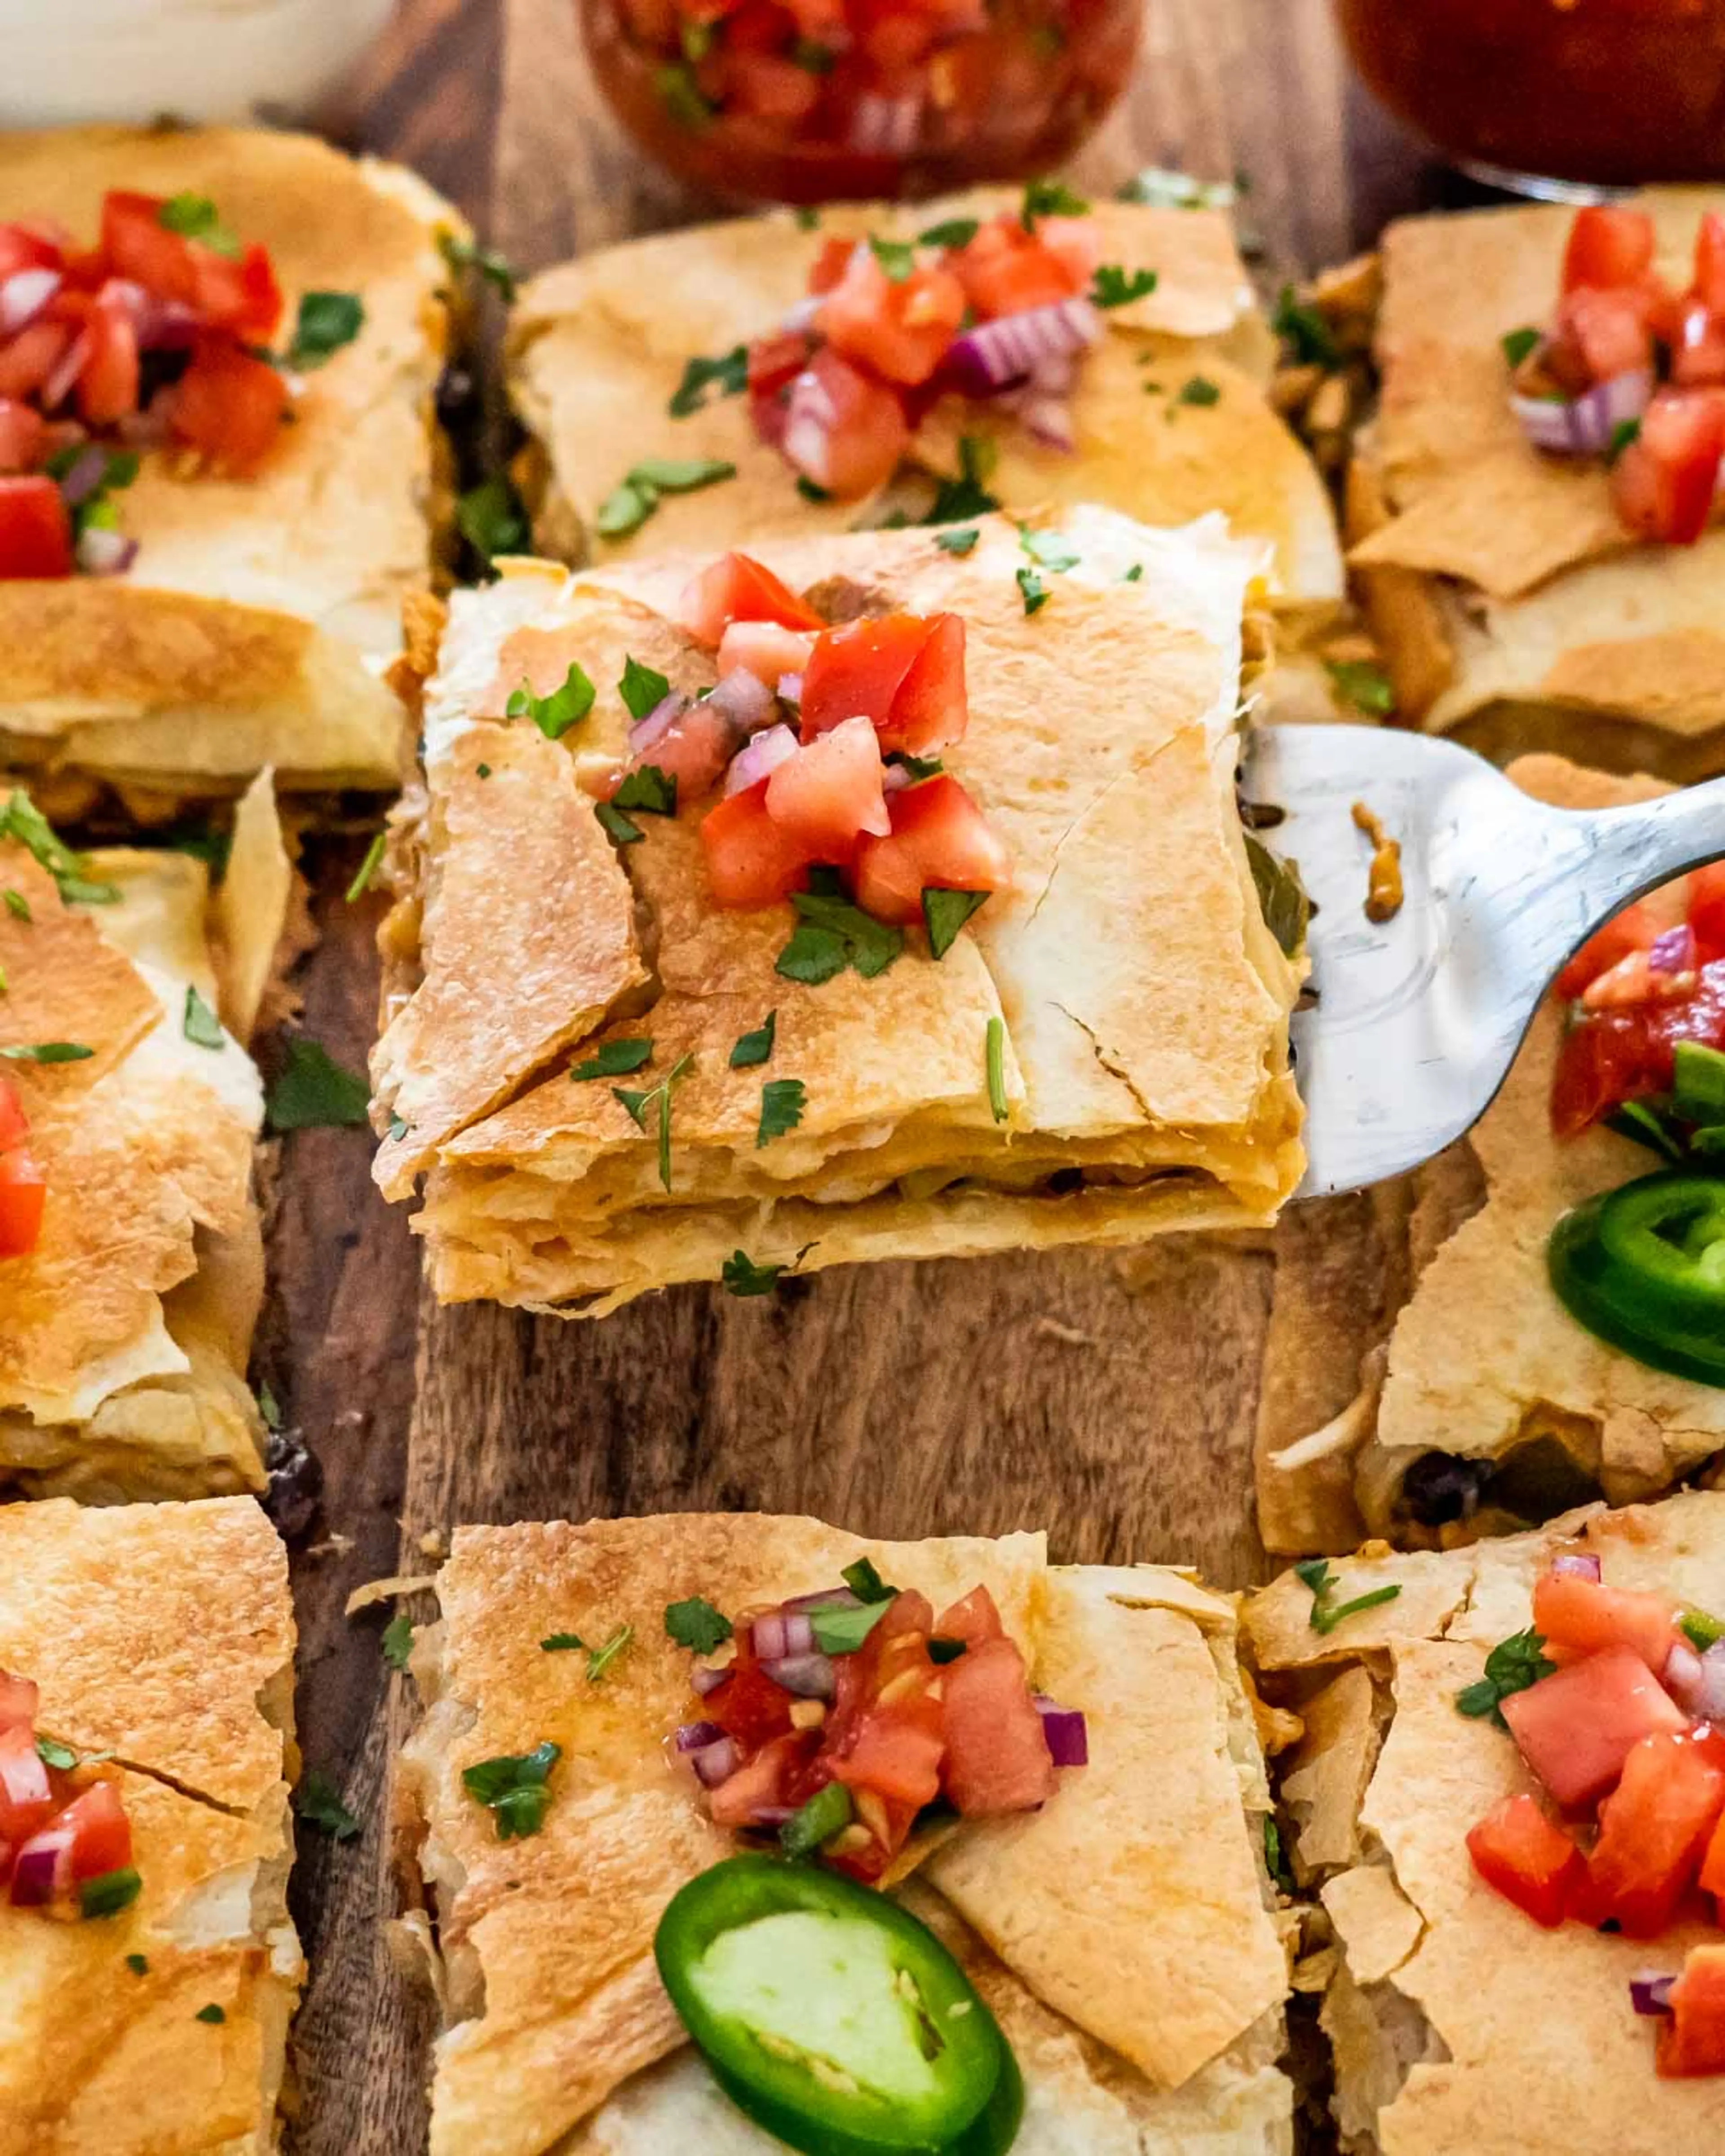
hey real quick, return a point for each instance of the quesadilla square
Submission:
(131, 1251)
(1470, 2007)
(1141, 389)
(1124, 1934)
(229, 375)
(1517, 606)
(146, 1689)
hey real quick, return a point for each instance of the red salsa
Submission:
(22, 1189)
(65, 1841)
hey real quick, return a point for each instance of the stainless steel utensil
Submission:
(1416, 1020)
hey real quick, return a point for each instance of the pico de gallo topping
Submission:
(1616, 1699)
(65, 1841)
(155, 338)
(823, 744)
(1644, 1051)
(1632, 373)
(841, 1717)
(23, 1189)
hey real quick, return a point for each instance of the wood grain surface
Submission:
(1112, 1402)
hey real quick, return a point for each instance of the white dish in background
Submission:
(72, 60)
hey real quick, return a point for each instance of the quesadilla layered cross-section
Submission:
(221, 455)
(148, 1964)
(990, 348)
(1562, 597)
(130, 1254)
(632, 1045)
(1507, 1796)
(616, 1710)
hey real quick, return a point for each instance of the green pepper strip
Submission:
(1644, 1268)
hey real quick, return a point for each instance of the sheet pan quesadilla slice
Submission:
(279, 513)
(1455, 2018)
(1516, 603)
(1141, 1868)
(1489, 1405)
(147, 1653)
(133, 1270)
(1098, 1052)
(1161, 417)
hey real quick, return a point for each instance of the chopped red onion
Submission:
(808, 1676)
(23, 295)
(84, 475)
(657, 723)
(801, 316)
(886, 126)
(42, 1870)
(809, 421)
(24, 1778)
(1674, 951)
(1682, 1675)
(1583, 426)
(760, 759)
(1047, 420)
(696, 1736)
(102, 552)
(1709, 1702)
(989, 357)
(1575, 1564)
(1065, 1733)
(147, 429)
(770, 1815)
(779, 1635)
(61, 383)
(707, 1682)
(744, 700)
(828, 1598)
(895, 778)
(715, 1763)
(1652, 1994)
(790, 688)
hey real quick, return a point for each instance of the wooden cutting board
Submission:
(1111, 1401)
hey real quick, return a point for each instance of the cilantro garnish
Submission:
(1305, 330)
(994, 1055)
(367, 869)
(635, 497)
(17, 905)
(1035, 592)
(956, 232)
(681, 95)
(1049, 198)
(642, 688)
(513, 1786)
(1622, 434)
(616, 826)
(842, 1631)
(268, 1406)
(807, 219)
(865, 1583)
(697, 1624)
(1273, 1861)
(727, 371)
(832, 934)
(212, 2013)
(1113, 287)
(638, 1104)
(95, 511)
(967, 495)
(1133, 574)
(49, 1051)
(555, 714)
(327, 322)
(399, 1126)
(496, 268)
(397, 1641)
(318, 1802)
(1512, 1664)
(756, 1047)
(1281, 895)
(1367, 687)
(742, 1276)
(199, 1023)
(919, 767)
(1048, 550)
(782, 1102)
(1198, 389)
(195, 217)
(600, 1659)
(944, 913)
(809, 491)
(1327, 1615)
(137, 1964)
(1517, 344)
(896, 257)
(1701, 1630)
(959, 542)
(53, 1754)
(491, 520)
(647, 788)
(561, 1643)
(811, 1825)
(615, 1059)
(21, 820)
(1161, 188)
(313, 1092)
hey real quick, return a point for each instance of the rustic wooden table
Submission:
(1113, 1404)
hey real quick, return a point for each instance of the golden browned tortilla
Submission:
(252, 626)
(162, 1635)
(1126, 1932)
(1143, 1003)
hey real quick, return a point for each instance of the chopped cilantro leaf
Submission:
(195, 217)
(555, 714)
(1622, 434)
(615, 1059)
(959, 541)
(313, 1092)
(491, 520)
(24, 821)
(782, 1102)
(1517, 344)
(842, 1631)
(49, 1051)
(137, 1964)
(1701, 1630)
(642, 688)
(399, 1126)
(865, 1583)
(1327, 1615)
(968, 496)
(681, 95)
(367, 869)
(635, 497)
(648, 789)
(53, 1754)
(697, 1624)
(17, 905)
(1305, 330)
(199, 1023)
(831, 934)
(268, 1406)
(496, 268)
(918, 766)
(809, 491)
(813, 955)
(624, 509)
(318, 1802)
(1049, 198)
(811, 1825)
(756, 1047)
(398, 1640)
(637, 1104)
(1048, 550)
(807, 219)
(1512, 1665)
(955, 232)
(616, 826)
(742, 1276)
(326, 321)
(1133, 574)
(1198, 389)
(1274, 1863)
(896, 257)
(513, 1787)
(1112, 287)
(945, 912)
(212, 2014)
(1367, 687)
(1034, 591)
(727, 372)
(994, 1052)
(1281, 895)
(600, 1659)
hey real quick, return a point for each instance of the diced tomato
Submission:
(1691, 2040)
(768, 87)
(108, 381)
(23, 247)
(891, 1755)
(901, 329)
(775, 360)
(1005, 270)
(227, 294)
(1663, 483)
(35, 531)
(1527, 1858)
(1578, 1616)
(1634, 981)
(260, 308)
(940, 841)
(1634, 929)
(751, 858)
(694, 749)
(748, 1706)
(229, 406)
(1576, 1728)
(1710, 261)
(828, 793)
(1608, 328)
(26, 1798)
(1654, 1831)
(1608, 246)
(24, 435)
(1621, 1055)
(18, 1701)
(1707, 909)
(737, 587)
(101, 1833)
(14, 1123)
(1075, 243)
(1699, 354)
(762, 1782)
(1712, 1866)
(845, 430)
(903, 671)
(765, 649)
(997, 1756)
(23, 1198)
(975, 1620)
(28, 359)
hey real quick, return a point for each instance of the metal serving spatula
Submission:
(1416, 1020)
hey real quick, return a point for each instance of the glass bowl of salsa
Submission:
(819, 100)
(1552, 96)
